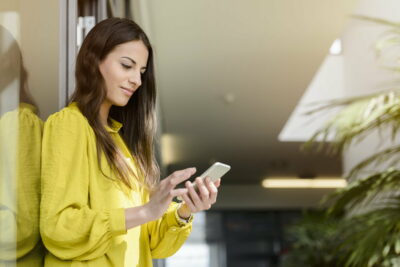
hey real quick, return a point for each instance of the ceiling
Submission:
(230, 73)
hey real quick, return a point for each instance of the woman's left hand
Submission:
(201, 200)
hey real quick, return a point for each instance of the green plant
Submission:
(371, 237)
(314, 240)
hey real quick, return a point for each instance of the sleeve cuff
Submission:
(173, 218)
(117, 221)
(180, 220)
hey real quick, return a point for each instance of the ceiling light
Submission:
(304, 183)
(229, 98)
(336, 47)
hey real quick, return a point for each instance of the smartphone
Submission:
(215, 172)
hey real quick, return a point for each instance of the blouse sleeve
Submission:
(28, 178)
(70, 229)
(8, 168)
(167, 234)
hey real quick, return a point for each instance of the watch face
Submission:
(182, 220)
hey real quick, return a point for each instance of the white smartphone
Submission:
(215, 172)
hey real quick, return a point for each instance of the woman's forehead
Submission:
(135, 50)
(136, 46)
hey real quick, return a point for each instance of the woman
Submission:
(102, 202)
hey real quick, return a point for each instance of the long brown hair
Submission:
(12, 67)
(137, 117)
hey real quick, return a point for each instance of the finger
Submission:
(189, 203)
(178, 192)
(178, 177)
(217, 183)
(194, 196)
(213, 191)
(204, 194)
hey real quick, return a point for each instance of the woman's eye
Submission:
(126, 66)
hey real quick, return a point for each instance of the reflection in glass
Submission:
(20, 145)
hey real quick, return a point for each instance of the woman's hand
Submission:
(201, 200)
(161, 197)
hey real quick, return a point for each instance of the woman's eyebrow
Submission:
(134, 62)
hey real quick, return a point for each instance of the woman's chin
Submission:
(121, 103)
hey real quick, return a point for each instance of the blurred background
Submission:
(235, 79)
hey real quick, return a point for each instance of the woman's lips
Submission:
(127, 91)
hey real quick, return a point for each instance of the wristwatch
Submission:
(182, 220)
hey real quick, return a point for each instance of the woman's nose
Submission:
(136, 79)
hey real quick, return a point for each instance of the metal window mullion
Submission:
(72, 49)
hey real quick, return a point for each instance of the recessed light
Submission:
(229, 98)
(336, 47)
(304, 183)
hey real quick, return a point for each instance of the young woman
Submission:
(102, 202)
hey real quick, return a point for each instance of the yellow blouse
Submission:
(20, 145)
(82, 217)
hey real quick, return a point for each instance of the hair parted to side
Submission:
(137, 117)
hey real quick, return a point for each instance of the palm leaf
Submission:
(357, 119)
(362, 191)
(380, 21)
(352, 122)
(372, 238)
(389, 156)
(388, 40)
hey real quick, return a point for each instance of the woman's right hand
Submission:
(165, 191)
(160, 199)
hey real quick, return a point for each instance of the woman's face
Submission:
(122, 70)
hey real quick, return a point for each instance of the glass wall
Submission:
(28, 94)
